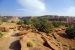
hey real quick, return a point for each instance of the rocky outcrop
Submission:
(41, 41)
(53, 42)
(37, 40)
(3, 29)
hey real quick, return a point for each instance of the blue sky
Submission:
(37, 7)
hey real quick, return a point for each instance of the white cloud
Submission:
(71, 11)
(68, 11)
(36, 7)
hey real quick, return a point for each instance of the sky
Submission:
(37, 7)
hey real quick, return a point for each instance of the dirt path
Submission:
(9, 42)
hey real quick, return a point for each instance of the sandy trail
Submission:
(9, 42)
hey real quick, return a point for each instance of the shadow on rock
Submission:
(16, 34)
(64, 36)
(15, 45)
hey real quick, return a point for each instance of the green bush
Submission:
(4, 20)
(30, 43)
(1, 34)
(20, 22)
(56, 24)
(70, 32)
(24, 21)
(12, 21)
(42, 25)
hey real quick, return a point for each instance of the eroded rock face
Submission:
(3, 29)
(22, 28)
(37, 42)
(40, 42)
(52, 42)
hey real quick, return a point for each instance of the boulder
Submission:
(3, 29)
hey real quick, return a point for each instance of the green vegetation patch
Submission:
(1, 34)
(31, 43)
(70, 31)
(56, 24)
(42, 25)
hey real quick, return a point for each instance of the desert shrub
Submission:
(4, 20)
(42, 25)
(30, 43)
(56, 24)
(69, 25)
(12, 21)
(26, 21)
(70, 32)
(66, 25)
(1, 34)
(20, 22)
